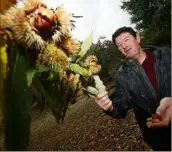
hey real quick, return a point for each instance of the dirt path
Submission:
(85, 127)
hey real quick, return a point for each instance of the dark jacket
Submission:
(133, 90)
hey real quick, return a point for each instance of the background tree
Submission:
(152, 19)
(108, 56)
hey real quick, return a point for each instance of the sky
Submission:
(102, 17)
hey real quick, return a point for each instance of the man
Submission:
(142, 81)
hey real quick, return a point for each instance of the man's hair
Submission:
(123, 30)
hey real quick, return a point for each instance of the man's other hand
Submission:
(164, 111)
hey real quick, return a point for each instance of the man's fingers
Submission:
(164, 104)
(161, 109)
(167, 117)
(102, 99)
(102, 94)
(108, 106)
(157, 124)
(154, 125)
(153, 120)
(149, 124)
(105, 103)
(149, 119)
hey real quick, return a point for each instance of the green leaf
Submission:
(43, 97)
(111, 91)
(79, 70)
(59, 103)
(30, 75)
(53, 91)
(85, 47)
(17, 104)
(42, 68)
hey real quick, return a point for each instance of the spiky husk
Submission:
(72, 87)
(6, 4)
(63, 24)
(90, 60)
(91, 64)
(69, 45)
(52, 52)
(53, 57)
(18, 20)
(73, 80)
(94, 69)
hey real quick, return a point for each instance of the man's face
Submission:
(128, 45)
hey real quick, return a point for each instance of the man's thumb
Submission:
(162, 107)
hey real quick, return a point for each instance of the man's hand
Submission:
(103, 101)
(164, 111)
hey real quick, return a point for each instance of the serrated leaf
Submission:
(79, 70)
(85, 47)
(30, 74)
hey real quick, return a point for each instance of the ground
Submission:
(85, 128)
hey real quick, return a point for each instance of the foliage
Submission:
(58, 87)
(49, 87)
(152, 19)
(84, 47)
(39, 60)
(17, 104)
(108, 56)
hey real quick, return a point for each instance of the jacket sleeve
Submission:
(120, 101)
